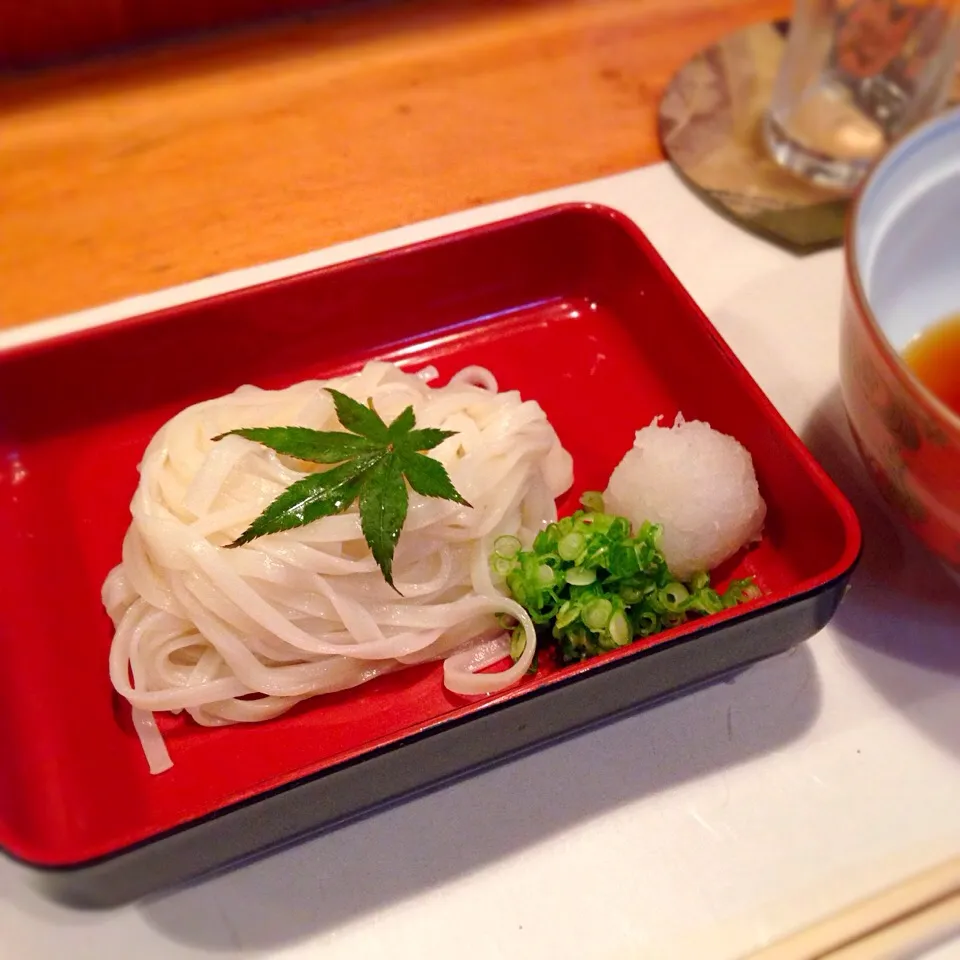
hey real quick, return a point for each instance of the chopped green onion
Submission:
(708, 601)
(674, 596)
(740, 591)
(545, 574)
(568, 613)
(698, 581)
(594, 585)
(507, 547)
(518, 643)
(592, 500)
(619, 629)
(647, 623)
(571, 546)
(630, 593)
(596, 614)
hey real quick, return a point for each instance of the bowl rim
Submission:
(913, 384)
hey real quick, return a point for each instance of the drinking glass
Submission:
(855, 76)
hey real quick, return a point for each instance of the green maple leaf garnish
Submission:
(375, 462)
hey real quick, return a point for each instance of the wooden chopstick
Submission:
(925, 928)
(921, 910)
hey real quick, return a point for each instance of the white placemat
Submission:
(700, 828)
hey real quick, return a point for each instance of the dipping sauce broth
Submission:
(934, 356)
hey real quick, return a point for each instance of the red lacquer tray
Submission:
(571, 306)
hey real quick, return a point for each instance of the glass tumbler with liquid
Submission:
(855, 76)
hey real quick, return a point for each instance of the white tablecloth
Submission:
(700, 828)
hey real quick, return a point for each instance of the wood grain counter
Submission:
(153, 168)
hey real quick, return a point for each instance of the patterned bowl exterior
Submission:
(909, 441)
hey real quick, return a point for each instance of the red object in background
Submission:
(36, 31)
(39, 32)
(150, 19)
(571, 306)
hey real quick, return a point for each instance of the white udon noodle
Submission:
(242, 635)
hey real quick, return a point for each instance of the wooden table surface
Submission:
(153, 168)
